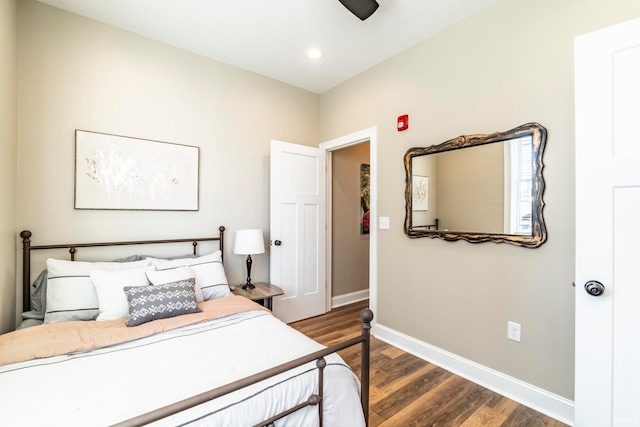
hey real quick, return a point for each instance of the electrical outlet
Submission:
(513, 331)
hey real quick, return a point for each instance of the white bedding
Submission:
(105, 386)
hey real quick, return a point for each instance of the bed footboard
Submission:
(316, 399)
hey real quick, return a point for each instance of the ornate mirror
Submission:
(478, 188)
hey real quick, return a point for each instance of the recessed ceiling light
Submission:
(315, 54)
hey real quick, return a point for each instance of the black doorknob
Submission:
(594, 288)
(278, 243)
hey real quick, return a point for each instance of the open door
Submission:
(298, 230)
(607, 212)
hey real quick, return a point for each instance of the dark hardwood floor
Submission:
(408, 391)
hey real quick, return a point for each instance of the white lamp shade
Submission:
(249, 242)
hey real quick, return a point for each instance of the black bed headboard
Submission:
(73, 247)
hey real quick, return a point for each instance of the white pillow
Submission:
(112, 301)
(210, 276)
(70, 293)
(176, 274)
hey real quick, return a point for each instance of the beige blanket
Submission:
(61, 338)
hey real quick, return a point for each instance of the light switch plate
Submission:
(384, 223)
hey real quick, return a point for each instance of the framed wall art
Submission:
(120, 172)
(364, 198)
(420, 190)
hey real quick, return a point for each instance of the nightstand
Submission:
(262, 293)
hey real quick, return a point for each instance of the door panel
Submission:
(607, 211)
(298, 221)
(626, 316)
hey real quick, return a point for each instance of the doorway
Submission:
(350, 172)
(351, 142)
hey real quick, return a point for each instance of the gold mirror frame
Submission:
(539, 231)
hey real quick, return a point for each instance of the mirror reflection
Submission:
(478, 188)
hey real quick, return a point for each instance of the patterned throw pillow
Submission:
(171, 275)
(147, 303)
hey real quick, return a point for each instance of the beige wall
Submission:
(350, 249)
(508, 65)
(470, 189)
(75, 73)
(8, 107)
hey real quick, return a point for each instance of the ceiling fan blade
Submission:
(361, 8)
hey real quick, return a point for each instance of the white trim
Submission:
(350, 298)
(351, 139)
(550, 404)
(328, 247)
(371, 135)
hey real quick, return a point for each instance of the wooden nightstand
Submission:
(262, 293)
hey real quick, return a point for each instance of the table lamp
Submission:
(249, 242)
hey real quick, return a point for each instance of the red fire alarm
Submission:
(403, 122)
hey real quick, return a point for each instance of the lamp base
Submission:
(248, 285)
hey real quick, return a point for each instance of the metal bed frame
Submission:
(364, 340)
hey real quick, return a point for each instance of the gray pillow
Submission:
(39, 294)
(147, 303)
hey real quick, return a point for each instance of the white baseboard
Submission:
(340, 300)
(550, 404)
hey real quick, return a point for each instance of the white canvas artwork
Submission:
(420, 190)
(118, 172)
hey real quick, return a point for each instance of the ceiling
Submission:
(271, 37)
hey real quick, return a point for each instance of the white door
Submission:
(607, 387)
(298, 230)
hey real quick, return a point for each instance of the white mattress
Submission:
(106, 386)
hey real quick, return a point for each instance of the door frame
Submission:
(371, 135)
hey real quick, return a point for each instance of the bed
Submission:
(187, 351)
